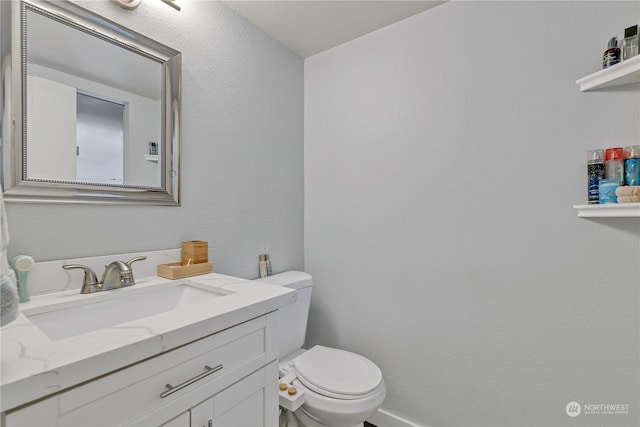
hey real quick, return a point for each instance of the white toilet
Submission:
(340, 388)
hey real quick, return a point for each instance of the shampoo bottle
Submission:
(611, 56)
(632, 165)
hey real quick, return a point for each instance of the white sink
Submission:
(86, 313)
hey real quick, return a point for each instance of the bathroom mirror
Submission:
(90, 109)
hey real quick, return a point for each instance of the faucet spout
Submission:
(116, 275)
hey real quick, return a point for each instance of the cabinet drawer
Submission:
(123, 395)
(250, 402)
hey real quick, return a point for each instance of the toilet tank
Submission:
(293, 317)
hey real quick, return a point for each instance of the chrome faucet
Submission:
(118, 274)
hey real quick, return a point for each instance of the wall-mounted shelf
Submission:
(623, 73)
(151, 157)
(609, 210)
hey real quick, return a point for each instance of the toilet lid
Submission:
(335, 373)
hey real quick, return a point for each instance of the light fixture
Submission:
(132, 4)
(128, 4)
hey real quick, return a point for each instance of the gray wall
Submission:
(242, 148)
(443, 155)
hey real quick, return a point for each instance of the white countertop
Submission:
(33, 366)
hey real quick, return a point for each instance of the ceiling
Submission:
(63, 48)
(308, 27)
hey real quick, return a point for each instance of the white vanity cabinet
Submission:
(226, 379)
(242, 404)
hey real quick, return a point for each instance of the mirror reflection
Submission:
(100, 108)
(100, 145)
(92, 110)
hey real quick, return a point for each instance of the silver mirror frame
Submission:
(17, 188)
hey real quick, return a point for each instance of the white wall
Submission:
(443, 155)
(242, 145)
(139, 171)
(51, 109)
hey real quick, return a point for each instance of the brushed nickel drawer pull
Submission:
(171, 389)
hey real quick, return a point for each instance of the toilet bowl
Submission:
(340, 388)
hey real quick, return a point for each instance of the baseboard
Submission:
(384, 418)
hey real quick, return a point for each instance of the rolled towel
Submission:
(628, 194)
(4, 227)
(8, 291)
(9, 309)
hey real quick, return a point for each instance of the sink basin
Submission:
(87, 313)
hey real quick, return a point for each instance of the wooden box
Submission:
(195, 250)
(176, 270)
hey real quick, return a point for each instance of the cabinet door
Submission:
(240, 405)
(202, 414)
(249, 402)
(182, 420)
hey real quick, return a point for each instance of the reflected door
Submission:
(100, 140)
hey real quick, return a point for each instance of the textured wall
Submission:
(443, 155)
(242, 145)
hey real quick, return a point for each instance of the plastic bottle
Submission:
(631, 42)
(268, 264)
(614, 163)
(21, 265)
(607, 190)
(595, 172)
(262, 265)
(632, 165)
(611, 56)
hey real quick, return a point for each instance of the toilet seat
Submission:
(322, 411)
(337, 374)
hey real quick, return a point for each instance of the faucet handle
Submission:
(89, 281)
(132, 260)
(126, 277)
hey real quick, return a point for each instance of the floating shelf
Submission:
(151, 157)
(609, 210)
(622, 73)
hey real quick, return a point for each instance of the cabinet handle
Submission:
(171, 389)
